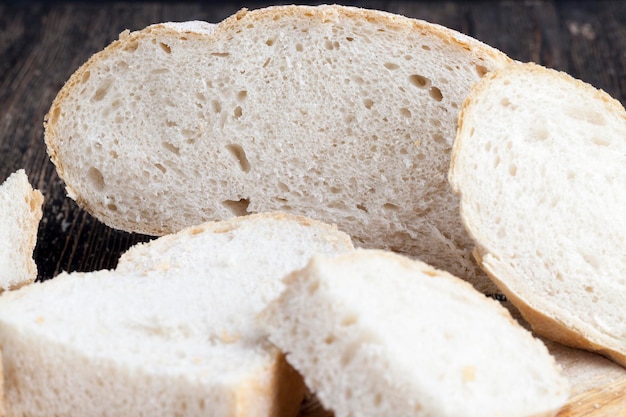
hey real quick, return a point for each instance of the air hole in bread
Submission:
(220, 54)
(237, 207)
(589, 288)
(481, 70)
(330, 339)
(540, 133)
(496, 162)
(362, 207)
(391, 66)
(349, 39)
(240, 155)
(237, 113)
(85, 77)
(283, 187)
(512, 170)
(161, 168)
(600, 141)
(391, 207)
(591, 260)
(173, 149)
(331, 45)
(96, 178)
(405, 112)
(217, 106)
(419, 81)
(435, 93)
(299, 47)
(102, 91)
(267, 62)
(349, 319)
(270, 42)
(340, 205)
(111, 207)
(165, 47)
(439, 138)
(505, 102)
(585, 114)
(368, 103)
(426, 47)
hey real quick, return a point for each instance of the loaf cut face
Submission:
(340, 114)
(540, 166)
(377, 334)
(171, 332)
(19, 223)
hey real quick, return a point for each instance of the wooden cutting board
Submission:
(598, 385)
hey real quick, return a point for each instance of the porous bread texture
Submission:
(19, 223)
(171, 332)
(376, 334)
(341, 114)
(539, 164)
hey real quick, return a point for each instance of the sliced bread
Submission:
(376, 334)
(540, 166)
(21, 213)
(172, 332)
(341, 114)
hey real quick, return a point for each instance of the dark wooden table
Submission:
(42, 43)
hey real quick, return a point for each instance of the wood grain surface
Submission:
(42, 43)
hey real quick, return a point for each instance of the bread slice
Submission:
(19, 223)
(341, 114)
(171, 332)
(539, 164)
(376, 334)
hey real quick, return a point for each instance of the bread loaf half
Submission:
(172, 332)
(341, 114)
(540, 165)
(19, 222)
(377, 334)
